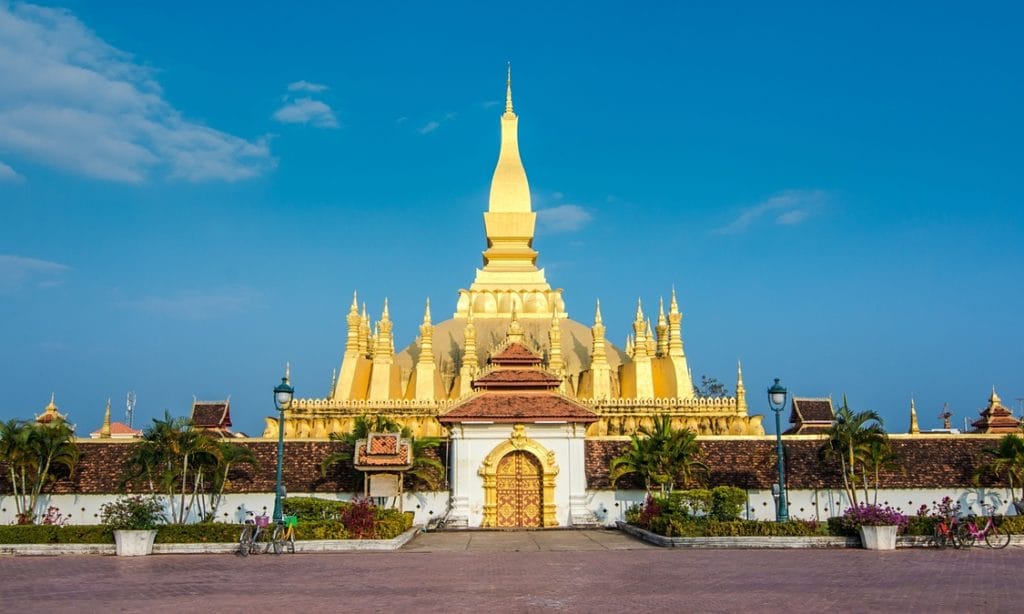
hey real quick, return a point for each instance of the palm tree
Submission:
(662, 455)
(174, 458)
(229, 454)
(426, 473)
(848, 440)
(1007, 459)
(878, 456)
(33, 452)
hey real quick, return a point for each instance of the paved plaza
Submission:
(589, 571)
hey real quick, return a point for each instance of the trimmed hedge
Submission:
(388, 524)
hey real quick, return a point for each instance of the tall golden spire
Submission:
(510, 262)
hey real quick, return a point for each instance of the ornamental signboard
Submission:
(384, 485)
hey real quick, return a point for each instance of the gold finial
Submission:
(639, 311)
(739, 373)
(914, 428)
(661, 311)
(426, 313)
(52, 407)
(597, 313)
(384, 314)
(105, 430)
(508, 90)
(994, 399)
(355, 303)
(673, 306)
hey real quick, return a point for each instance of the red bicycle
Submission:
(946, 532)
(968, 532)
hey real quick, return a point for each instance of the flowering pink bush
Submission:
(872, 515)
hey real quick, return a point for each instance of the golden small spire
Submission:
(426, 313)
(508, 90)
(52, 406)
(384, 314)
(355, 303)
(673, 306)
(914, 428)
(105, 430)
(994, 399)
(739, 374)
(597, 313)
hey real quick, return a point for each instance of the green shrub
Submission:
(53, 534)
(694, 502)
(727, 502)
(204, 533)
(921, 525)
(681, 526)
(310, 509)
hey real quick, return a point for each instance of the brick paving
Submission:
(586, 571)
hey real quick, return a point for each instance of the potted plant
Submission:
(134, 521)
(877, 525)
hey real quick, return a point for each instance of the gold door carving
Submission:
(519, 490)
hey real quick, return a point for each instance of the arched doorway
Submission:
(519, 491)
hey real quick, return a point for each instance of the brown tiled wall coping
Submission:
(746, 462)
(101, 463)
(749, 462)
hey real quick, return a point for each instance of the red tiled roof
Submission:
(811, 410)
(119, 429)
(383, 443)
(383, 450)
(515, 354)
(518, 407)
(211, 414)
(517, 378)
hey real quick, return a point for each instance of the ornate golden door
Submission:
(519, 490)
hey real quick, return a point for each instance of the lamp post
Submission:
(283, 394)
(777, 401)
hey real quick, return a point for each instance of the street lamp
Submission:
(283, 394)
(777, 401)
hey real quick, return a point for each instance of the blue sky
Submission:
(191, 192)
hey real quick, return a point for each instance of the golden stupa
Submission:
(626, 389)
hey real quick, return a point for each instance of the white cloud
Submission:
(786, 208)
(490, 103)
(307, 111)
(195, 305)
(8, 174)
(563, 218)
(430, 127)
(18, 272)
(73, 102)
(306, 86)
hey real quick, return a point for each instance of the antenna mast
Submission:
(130, 408)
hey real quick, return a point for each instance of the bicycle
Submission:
(945, 533)
(284, 535)
(968, 531)
(249, 540)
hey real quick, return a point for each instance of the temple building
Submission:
(456, 379)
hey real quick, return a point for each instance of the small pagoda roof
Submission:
(995, 418)
(381, 451)
(515, 353)
(517, 378)
(213, 415)
(525, 406)
(810, 415)
(50, 413)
